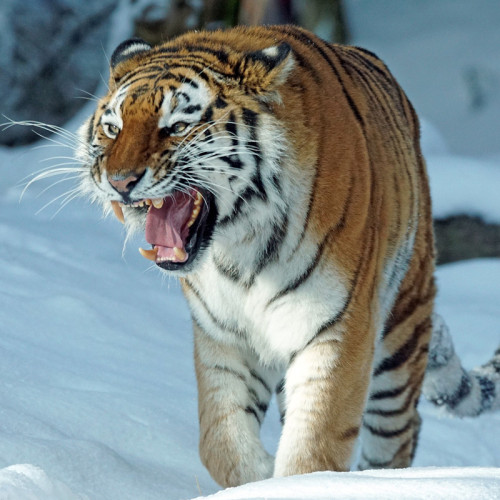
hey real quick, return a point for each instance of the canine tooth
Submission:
(157, 203)
(194, 215)
(117, 209)
(149, 254)
(180, 253)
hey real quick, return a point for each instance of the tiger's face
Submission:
(179, 144)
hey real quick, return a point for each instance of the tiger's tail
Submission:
(447, 384)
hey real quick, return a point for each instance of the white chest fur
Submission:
(257, 317)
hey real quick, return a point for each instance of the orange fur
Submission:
(363, 201)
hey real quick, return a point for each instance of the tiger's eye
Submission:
(179, 127)
(111, 130)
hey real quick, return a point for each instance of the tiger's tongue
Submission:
(166, 227)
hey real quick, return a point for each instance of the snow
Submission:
(27, 482)
(473, 483)
(97, 387)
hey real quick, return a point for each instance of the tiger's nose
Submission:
(123, 184)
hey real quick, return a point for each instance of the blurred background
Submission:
(445, 53)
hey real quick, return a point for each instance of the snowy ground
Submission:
(97, 390)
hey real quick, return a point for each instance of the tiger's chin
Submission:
(178, 227)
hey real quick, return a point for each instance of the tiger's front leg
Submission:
(232, 400)
(325, 391)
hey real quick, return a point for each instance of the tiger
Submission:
(280, 178)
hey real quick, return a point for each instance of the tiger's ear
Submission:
(264, 70)
(124, 53)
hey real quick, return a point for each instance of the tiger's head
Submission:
(183, 140)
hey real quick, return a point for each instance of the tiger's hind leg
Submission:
(391, 422)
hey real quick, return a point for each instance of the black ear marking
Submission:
(128, 49)
(271, 56)
(263, 71)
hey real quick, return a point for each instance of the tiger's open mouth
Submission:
(177, 226)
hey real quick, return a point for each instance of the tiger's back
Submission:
(309, 271)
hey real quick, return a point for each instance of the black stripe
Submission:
(245, 196)
(393, 322)
(186, 97)
(218, 53)
(277, 184)
(377, 431)
(200, 67)
(367, 52)
(259, 379)
(273, 245)
(302, 278)
(250, 119)
(333, 320)
(192, 109)
(192, 51)
(90, 129)
(220, 103)
(220, 324)
(461, 393)
(340, 314)
(350, 433)
(259, 185)
(488, 392)
(387, 104)
(142, 73)
(281, 386)
(390, 393)
(259, 405)
(208, 115)
(233, 161)
(230, 371)
(190, 82)
(312, 266)
(404, 353)
(262, 407)
(229, 272)
(309, 41)
(232, 129)
(308, 212)
(397, 411)
(386, 76)
(252, 411)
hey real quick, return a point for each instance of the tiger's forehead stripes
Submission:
(186, 103)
